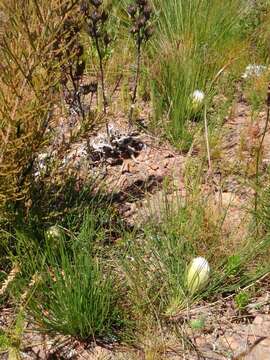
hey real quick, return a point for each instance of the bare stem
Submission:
(259, 152)
(100, 57)
(207, 141)
(138, 66)
(116, 85)
(77, 96)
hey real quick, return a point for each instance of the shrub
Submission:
(29, 82)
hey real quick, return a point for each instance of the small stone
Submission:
(168, 155)
(258, 320)
(166, 163)
(154, 167)
(114, 162)
(126, 168)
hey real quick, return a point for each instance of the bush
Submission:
(29, 84)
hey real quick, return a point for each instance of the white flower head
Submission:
(254, 70)
(198, 96)
(54, 233)
(198, 274)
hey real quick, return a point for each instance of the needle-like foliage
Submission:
(29, 83)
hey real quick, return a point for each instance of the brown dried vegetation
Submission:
(31, 40)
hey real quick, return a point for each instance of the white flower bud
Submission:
(54, 233)
(198, 274)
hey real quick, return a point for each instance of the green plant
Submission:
(242, 299)
(155, 266)
(234, 264)
(197, 324)
(72, 290)
(259, 150)
(156, 261)
(74, 297)
(196, 42)
(256, 24)
(11, 339)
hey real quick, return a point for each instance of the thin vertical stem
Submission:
(138, 66)
(259, 153)
(207, 141)
(102, 83)
(77, 94)
(39, 14)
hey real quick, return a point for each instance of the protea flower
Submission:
(254, 70)
(54, 234)
(198, 274)
(197, 97)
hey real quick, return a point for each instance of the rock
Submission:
(258, 320)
